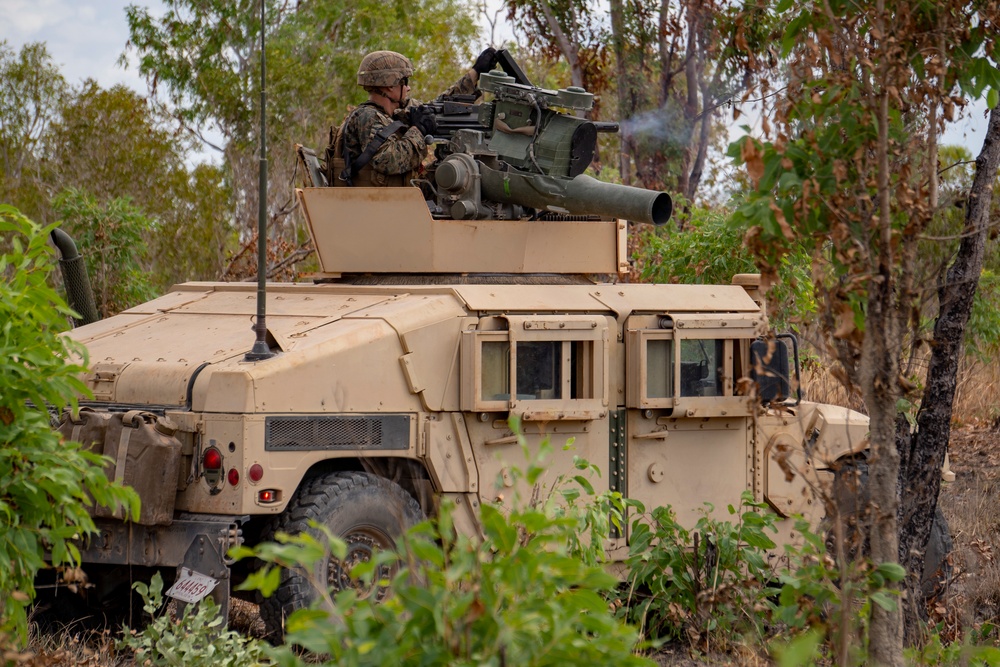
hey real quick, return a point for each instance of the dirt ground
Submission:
(971, 505)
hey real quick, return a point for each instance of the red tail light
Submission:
(212, 459)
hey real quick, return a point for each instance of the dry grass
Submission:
(244, 617)
(71, 646)
(977, 394)
(820, 386)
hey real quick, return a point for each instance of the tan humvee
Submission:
(394, 376)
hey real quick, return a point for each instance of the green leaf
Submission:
(884, 600)
(802, 650)
(891, 571)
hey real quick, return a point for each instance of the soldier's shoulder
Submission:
(367, 114)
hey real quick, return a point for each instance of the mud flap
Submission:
(198, 542)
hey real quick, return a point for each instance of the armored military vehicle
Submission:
(494, 289)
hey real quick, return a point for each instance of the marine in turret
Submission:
(381, 143)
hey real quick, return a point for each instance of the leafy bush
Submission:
(714, 585)
(704, 585)
(530, 592)
(44, 482)
(974, 650)
(195, 638)
(711, 251)
(824, 604)
(112, 240)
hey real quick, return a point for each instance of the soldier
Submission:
(380, 143)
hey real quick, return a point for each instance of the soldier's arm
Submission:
(464, 86)
(400, 153)
(486, 61)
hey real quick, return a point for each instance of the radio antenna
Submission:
(260, 350)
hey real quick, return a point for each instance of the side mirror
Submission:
(771, 369)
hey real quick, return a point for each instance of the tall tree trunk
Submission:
(566, 45)
(880, 384)
(700, 147)
(625, 108)
(923, 452)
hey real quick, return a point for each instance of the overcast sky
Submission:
(86, 38)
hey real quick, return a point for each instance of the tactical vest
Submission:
(360, 173)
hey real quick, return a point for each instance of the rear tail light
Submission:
(212, 459)
(233, 477)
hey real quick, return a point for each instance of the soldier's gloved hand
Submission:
(486, 61)
(422, 118)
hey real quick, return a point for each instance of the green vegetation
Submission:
(196, 637)
(533, 591)
(709, 250)
(77, 154)
(707, 584)
(46, 484)
(115, 238)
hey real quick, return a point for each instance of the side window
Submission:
(548, 370)
(688, 362)
(666, 366)
(495, 370)
(547, 362)
(702, 370)
(539, 370)
(660, 368)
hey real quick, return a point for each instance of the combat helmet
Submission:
(383, 69)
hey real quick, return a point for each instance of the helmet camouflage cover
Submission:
(381, 69)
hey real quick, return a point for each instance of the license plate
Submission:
(192, 586)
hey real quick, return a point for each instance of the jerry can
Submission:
(88, 427)
(146, 456)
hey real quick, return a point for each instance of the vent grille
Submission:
(380, 432)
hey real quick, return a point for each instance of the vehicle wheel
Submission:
(851, 495)
(850, 492)
(368, 512)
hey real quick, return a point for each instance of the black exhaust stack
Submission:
(78, 291)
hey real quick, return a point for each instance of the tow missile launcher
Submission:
(530, 157)
(519, 155)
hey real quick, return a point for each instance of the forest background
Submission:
(856, 158)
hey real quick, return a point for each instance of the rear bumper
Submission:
(196, 541)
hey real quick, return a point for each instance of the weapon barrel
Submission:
(581, 195)
(619, 201)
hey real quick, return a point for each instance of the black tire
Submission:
(851, 494)
(937, 565)
(366, 511)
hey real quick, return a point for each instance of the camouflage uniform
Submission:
(402, 152)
